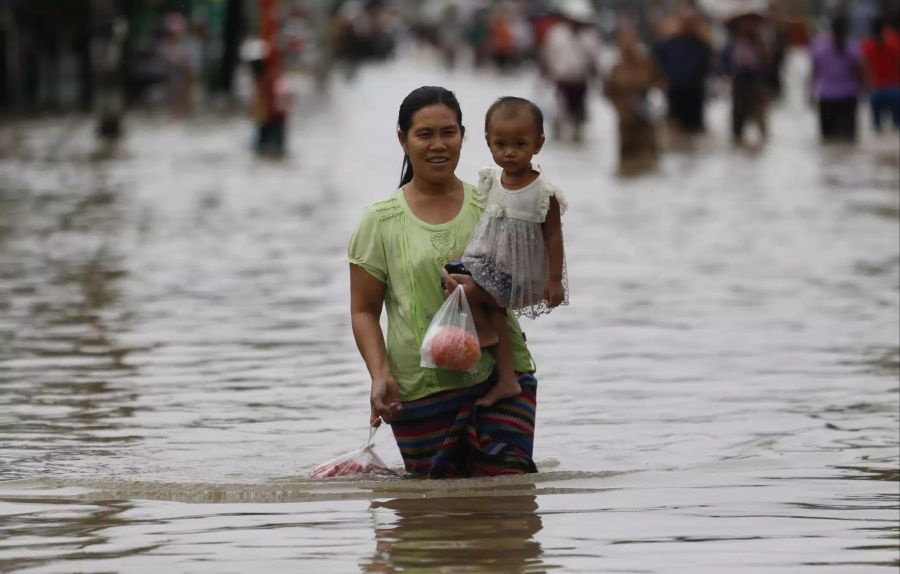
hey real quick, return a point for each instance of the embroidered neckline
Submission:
(403, 206)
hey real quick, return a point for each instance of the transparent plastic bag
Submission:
(360, 461)
(451, 341)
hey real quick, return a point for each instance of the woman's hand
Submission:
(474, 294)
(384, 400)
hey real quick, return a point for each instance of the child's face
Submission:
(513, 141)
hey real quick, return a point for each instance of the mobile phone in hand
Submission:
(455, 267)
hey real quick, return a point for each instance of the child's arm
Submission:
(552, 228)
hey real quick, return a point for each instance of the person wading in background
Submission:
(837, 80)
(569, 60)
(686, 59)
(628, 87)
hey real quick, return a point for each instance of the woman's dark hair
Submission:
(415, 101)
(513, 105)
(839, 29)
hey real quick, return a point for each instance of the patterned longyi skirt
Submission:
(445, 436)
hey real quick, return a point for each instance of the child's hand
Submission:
(554, 293)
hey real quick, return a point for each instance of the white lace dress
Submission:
(506, 254)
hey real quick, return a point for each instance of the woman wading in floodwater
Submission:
(397, 254)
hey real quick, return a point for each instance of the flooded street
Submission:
(176, 354)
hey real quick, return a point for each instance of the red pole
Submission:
(273, 123)
(269, 33)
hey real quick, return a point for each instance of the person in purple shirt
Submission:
(837, 81)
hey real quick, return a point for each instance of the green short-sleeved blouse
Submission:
(407, 254)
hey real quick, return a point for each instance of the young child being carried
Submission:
(516, 251)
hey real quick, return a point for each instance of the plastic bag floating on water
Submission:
(360, 461)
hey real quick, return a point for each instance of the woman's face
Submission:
(433, 143)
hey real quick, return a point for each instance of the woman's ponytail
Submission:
(406, 172)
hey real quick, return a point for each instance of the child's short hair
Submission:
(512, 105)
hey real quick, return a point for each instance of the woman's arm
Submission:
(366, 302)
(611, 85)
(552, 228)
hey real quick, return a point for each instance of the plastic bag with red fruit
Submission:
(360, 461)
(451, 341)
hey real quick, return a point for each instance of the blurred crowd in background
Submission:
(656, 61)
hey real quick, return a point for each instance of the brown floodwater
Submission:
(176, 356)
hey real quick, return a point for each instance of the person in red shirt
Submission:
(881, 53)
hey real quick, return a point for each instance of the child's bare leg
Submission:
(487, 335)
(507, 385)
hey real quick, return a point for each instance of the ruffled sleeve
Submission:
(485, 181)
(366, 247)
(549, 190)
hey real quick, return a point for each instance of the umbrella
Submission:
(576, 10)
(734, 23)
(731, 12)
